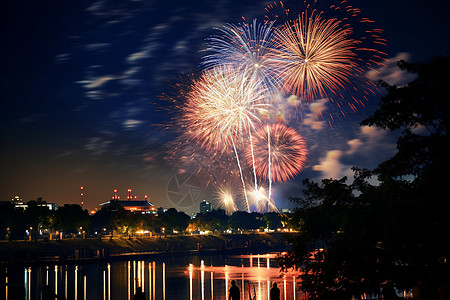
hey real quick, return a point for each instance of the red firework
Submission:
(279, 149)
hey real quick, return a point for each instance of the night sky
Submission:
(80, 87)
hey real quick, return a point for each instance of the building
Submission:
(131, 204)
(205, 207)
(137, 206)
(18, 203)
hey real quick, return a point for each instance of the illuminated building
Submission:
(138, 206)
(132, 203)
(18, 203)
(205, 207)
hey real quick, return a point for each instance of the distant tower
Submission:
(129, 197)
(82, 195)
(115, 195)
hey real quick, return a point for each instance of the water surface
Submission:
(175, 277)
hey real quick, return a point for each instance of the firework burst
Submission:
(223, 109)
(314, 56)
(280, 150)
(258, 73)
(222, 106)
(247, 48)
(326, 51)
(226, 200)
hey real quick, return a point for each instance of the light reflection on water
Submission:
(177, 277)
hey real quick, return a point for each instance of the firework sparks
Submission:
(314, 55)
(246, 47)
(261, 201)
(326, 52)
(251, 70)
(287, 152)
(222, 106)
(226, 200)
(222, 109)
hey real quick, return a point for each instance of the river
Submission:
(161, 278)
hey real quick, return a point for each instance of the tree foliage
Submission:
(360, 237)
(71, 217)
(174, 220)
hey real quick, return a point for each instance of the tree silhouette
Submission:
(174, 220)
(244, 220)
(363, 238)
(421, 166)
(70, 217)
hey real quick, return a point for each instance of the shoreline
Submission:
(96, 249)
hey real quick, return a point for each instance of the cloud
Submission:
(181, 46)
(97, 46)
(331, 167)
(131, 123)
(369, 139)
(130, 77)
(150, 45)
(96, 82)
(316, 109)
(391, 73)
(95, 85)
(371, 131)
(143, 53)
(370, 147)
(354, 144)
(97, 145)
(64, 154)
(62, 58)
(96, 6)
(374, 135)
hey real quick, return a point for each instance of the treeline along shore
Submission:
(14, 252)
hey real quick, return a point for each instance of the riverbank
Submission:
(107, 248)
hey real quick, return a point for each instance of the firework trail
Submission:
(241, 175)
(258, 198)
(269, 167)
(222, 108)
(253, 160)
